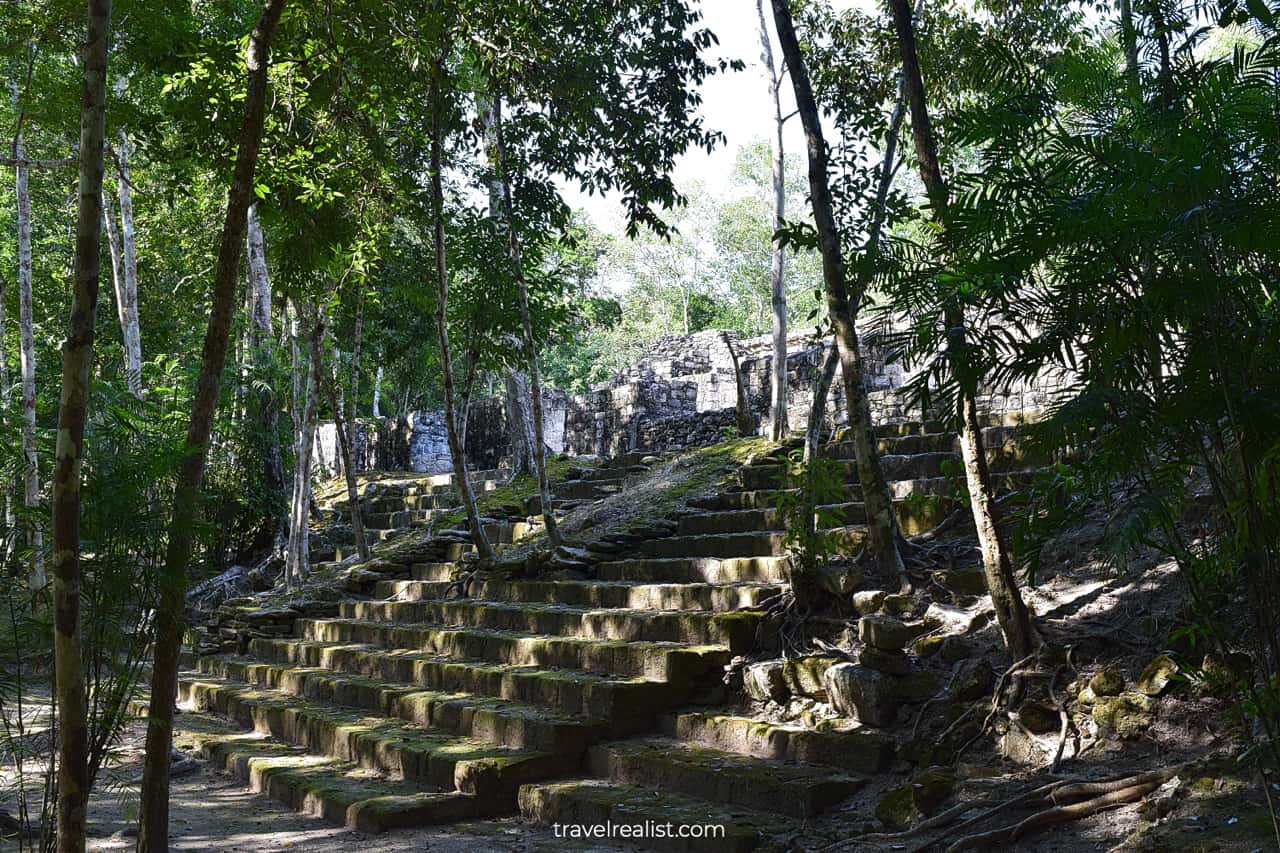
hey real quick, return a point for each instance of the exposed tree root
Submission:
(1111, 794)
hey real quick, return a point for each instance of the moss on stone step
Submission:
(736, 630)
(425, 756)
(723, 777)
(666, 661)
(570, 691)
(859, 750)
(337, 791)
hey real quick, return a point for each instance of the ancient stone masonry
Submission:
(680, 393)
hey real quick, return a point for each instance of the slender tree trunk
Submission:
(526, 327)
(742, 414)
(468, 389)
(818, 411)
(342, 427)
(117, 260)
(519, 421)
(1011, 612)
(10, 515)
(73, 407)
(153, 830)
(132, 332)
(456, 450)
(297, 497)
(882, 523)
(377, 389)
(266, 408)
(353, 402)
(37, 579)
(1129, 40)
(777, 257)
(309, 376)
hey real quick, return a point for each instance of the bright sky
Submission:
(736, 104)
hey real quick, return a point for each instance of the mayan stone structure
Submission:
(680, 393)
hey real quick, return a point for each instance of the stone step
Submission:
(587, 489)
(711, 570)
(443, 571)
(895, 467)
(398, 519)
(794, 790)
(765, 498)
(1005, 451)
(619, 698)
(913, 516)
(758, 543)
(665, 661)
(907, 428)
(488, 719)
(735, 630)
(339, 792)
(860, 750)
(425, 756)
(602, 802)
(596, 593)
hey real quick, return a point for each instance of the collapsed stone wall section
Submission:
(680, 393)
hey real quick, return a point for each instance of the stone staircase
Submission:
(574, 701)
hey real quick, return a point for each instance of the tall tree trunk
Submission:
(10, 515)
(377, 389)
(309, 376)
(777, 257)
(1129, 40)
(519, 420)
(130, 328)
(37, 579)
(882, 523)
(353, 402)
(73, 407)
(345, 433)
(456, 451)
(117, 260)
(526, 328)
(265, 405)
(1011, 612)
(153, 830)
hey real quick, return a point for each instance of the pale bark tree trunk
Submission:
(266, 409)
(515, 381)
(307, 378)
(377, 389)
(519, 421)
(117, 258)
(129, 326)
(153, 830)
(526, 328)
(1011, 612)
(73, 407)
(353, 402)
(777, 257)
(882, 522)
(345, 431)
(10, 516)
(456, 451)
(37, 579)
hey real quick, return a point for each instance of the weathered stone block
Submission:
(862, 693)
